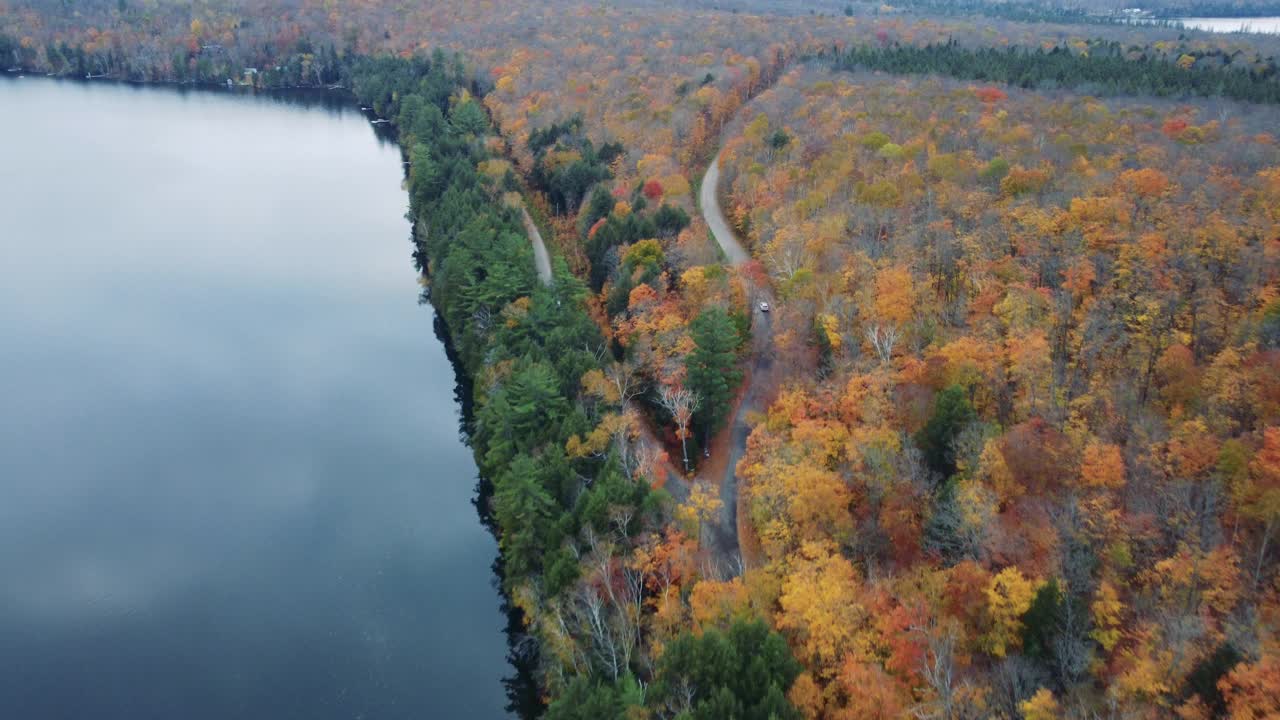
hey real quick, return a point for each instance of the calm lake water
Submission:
(1269, 25)
(232, 483)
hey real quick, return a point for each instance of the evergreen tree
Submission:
(951, 413)
(744, 673)
(712, 367)
(584, 699)
(527, 511)
(1040, 622)
(670, 220)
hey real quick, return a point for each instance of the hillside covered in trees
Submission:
(1020, 455)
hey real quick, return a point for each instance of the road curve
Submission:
(541, 260)
(709, 199)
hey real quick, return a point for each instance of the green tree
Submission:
(1040, 622)
(469, 118)
(425, 176)
(742, 674)
(670, 220)
(951, 413)
(520, 417)
(995, 170)
(526, 512)
(585, 699)
(600, 205)
(712, 366)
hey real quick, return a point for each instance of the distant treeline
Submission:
(300, 64)
(1016, 11)
(1107, 69)
(9, 52)
(1096, 13)
(1224, 8)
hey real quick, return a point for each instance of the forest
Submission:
(1099, 69)
(1017, 454)
(1003, 298)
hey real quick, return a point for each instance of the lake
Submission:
(1268, 25)
(232, 479)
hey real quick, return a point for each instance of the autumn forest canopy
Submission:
(1006, 442)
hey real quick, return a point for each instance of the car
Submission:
(764, 306)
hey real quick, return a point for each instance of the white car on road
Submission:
(764, 306)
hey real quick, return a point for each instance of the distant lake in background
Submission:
(232, 478)
(1266, 25)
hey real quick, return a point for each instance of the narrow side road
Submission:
(709, 199)
(541, 260)
(725, 535)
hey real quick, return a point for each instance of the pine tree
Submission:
(713, 373)
(951, 413)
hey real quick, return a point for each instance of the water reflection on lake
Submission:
(232, 482)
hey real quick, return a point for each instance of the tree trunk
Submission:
(1262, 551)
(684, 447)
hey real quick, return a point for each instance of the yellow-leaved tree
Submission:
(1009, 596)
(1107, 614)
(1041, 706)
(821, 608)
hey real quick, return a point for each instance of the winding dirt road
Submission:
(709, 199)
(541, 260)
(724, 536)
